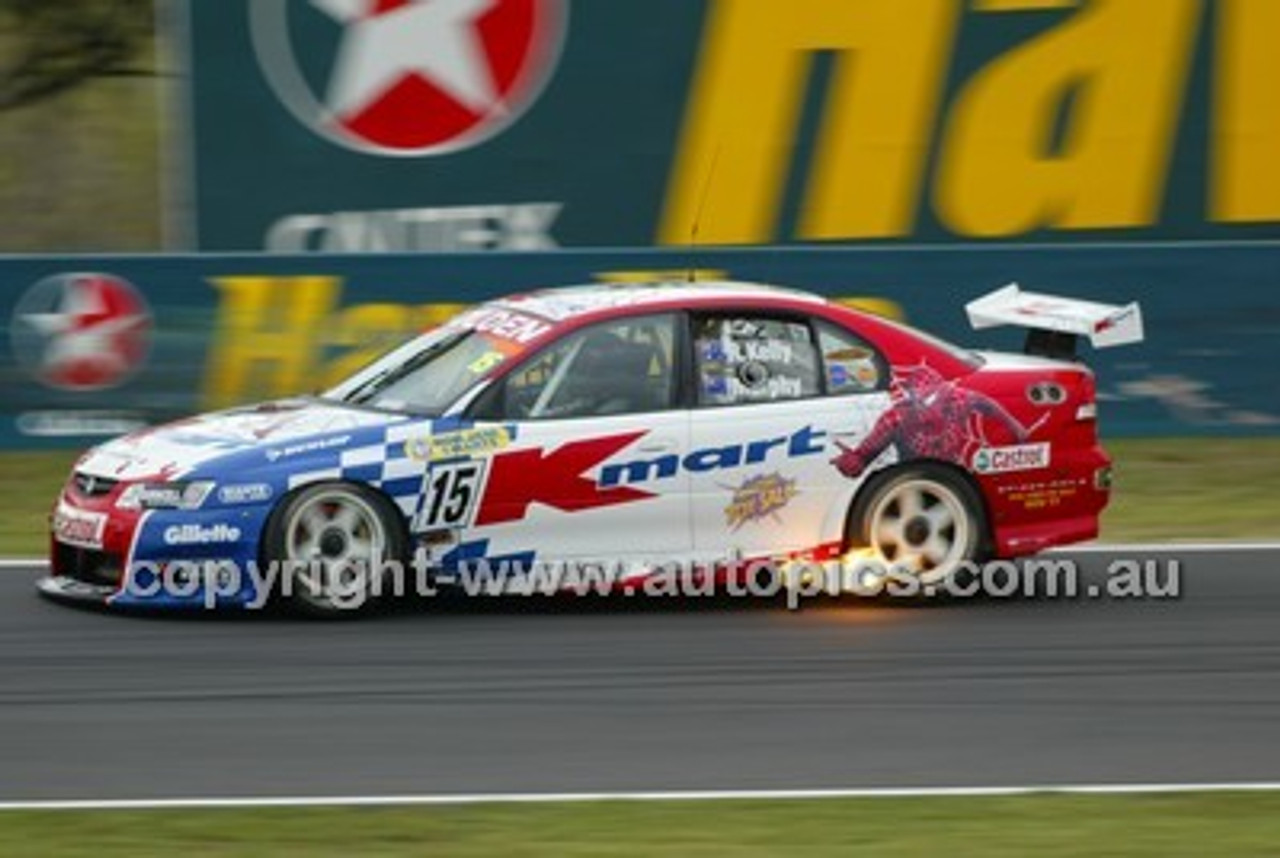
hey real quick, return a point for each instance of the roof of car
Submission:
(566, 302)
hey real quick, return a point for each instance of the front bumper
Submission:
(63, 588)
(163, 559)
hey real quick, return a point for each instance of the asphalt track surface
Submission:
(537, 697)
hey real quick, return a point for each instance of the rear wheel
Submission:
(333, 540)
(922, 519)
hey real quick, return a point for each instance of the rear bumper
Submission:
(1060, 505)
(1021, 540)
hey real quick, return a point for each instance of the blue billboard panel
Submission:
(97, 345)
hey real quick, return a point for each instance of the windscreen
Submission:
(426, 375)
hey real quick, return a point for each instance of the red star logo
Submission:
(419, 77)
(95, 331)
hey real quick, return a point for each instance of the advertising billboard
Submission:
(528, 125)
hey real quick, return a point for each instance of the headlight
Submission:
(175, 495)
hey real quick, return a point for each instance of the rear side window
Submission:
(741, 358)
(849, 363)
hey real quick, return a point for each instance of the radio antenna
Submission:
(697, 213)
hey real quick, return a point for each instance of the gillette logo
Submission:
(194, 534)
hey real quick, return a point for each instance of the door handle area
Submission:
(657, 445)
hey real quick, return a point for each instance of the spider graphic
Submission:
(932, 418)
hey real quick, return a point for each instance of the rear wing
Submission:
(1056, 323)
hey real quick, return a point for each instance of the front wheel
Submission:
(333, 541)
(923, 519)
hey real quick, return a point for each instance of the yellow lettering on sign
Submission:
(427, 316)
(662, 275)
(1019, 5)
(366, 330)
(877, 306)
(741, 121)
(263, 342)
(1118, 69)
(1245, 183)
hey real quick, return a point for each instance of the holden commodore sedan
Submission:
(640, 425)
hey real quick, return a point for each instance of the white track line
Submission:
(644, 796)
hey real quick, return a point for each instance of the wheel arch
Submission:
(381, 497)
(949, 470)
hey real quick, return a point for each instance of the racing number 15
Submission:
(451, 495)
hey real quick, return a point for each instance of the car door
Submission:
(597, 433)
(774, 394)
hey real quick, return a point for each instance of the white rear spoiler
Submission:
(1104, 324)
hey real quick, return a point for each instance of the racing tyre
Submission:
(921, 519)
(333, 541)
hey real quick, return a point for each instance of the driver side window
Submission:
(617, 367)
(744, 359)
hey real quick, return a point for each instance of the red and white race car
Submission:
(637, 424)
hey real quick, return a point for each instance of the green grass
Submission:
(29, 484)
(1236, 824)
(1179, 489)
(1202, 488)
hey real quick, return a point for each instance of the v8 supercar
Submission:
(640, 424)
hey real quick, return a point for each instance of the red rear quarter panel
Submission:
(1031, 509)
(1028, 508)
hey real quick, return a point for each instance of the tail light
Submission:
(1087, 409)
